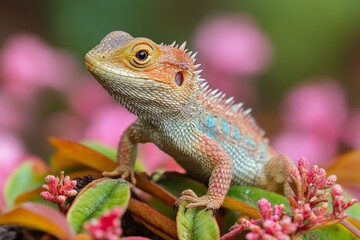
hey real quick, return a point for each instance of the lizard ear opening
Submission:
(179, 78)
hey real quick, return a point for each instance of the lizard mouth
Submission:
(90, 62)
(100, 69)
(95, 67)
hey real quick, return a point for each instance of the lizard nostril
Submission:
(179, 79)
(102, 56)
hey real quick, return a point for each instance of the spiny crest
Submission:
(229, 109)
(232, 110)
(182, 47)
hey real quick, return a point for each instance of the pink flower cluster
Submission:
(309, 204)
(340, 204)
(107, 227)
(58, 190)
(273, 225)
(309, 207)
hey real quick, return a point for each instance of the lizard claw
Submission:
(122, 171)
(195, 201)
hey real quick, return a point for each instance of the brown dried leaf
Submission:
(72, 154)
(153, 219)
(236, 205)
(28, 196)
(346, 168)
(155, 190)
(83, 236)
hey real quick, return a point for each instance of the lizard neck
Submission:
(144, 102)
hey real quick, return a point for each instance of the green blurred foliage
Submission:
(310, 38)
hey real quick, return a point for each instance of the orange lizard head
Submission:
(142, 75)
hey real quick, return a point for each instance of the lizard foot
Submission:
(123, 171)
(195, 201)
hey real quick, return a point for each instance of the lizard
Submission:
(216, 140)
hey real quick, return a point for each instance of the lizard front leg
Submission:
(217, 160)
(126, 152)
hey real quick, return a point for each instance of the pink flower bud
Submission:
(303, 165)
(265, 208)
(47, 196)
(60, 199)
(299, 219)
(278, 209)
(71, 193)
(330, 181)
(336, 190)
(306, 211)
(313, 219)
(288, 226)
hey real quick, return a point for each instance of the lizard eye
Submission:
(142, 55)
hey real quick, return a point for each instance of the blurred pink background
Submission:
(46, 91)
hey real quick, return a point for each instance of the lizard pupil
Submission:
(141, 55)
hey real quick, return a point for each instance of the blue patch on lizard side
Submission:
(210, 122)
(250, 142)
(225, 127)
(262, 147)
(237, 133)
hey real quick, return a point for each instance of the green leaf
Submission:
(95, 199)
(105, 150)
(176, 183)
(336, 231)
(251, 195)
(27, 176)
(196, 223)
(109, 152)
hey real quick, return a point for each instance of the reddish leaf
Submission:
(72, 154)
(152, 219)
(236, 205)
(28, 196)
(80, 174)
(346, 168)
(38, 216)
(83, 236)
(135, 238)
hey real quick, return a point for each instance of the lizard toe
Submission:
(124, 172)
